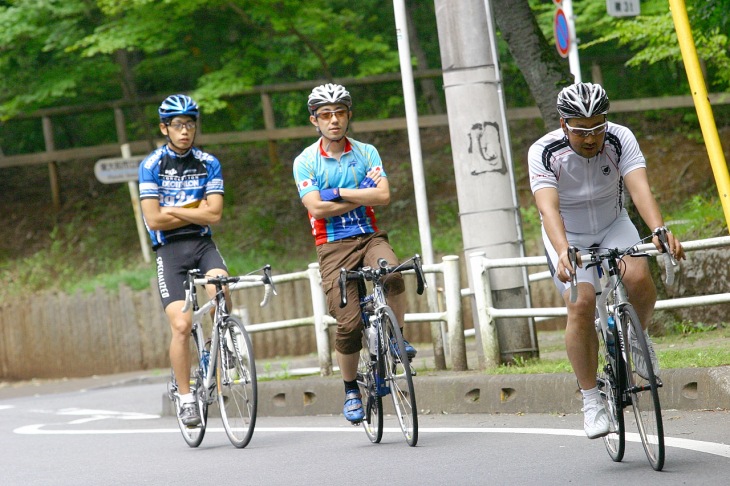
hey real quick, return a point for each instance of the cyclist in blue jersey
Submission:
(340, 180)
(578, 175)
(181, 193)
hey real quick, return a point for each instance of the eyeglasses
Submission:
(587, 132)
(326, 115)
(180, 126)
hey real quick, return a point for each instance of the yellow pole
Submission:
(702, 103)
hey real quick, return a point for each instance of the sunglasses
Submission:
(180, 126)
(326, 115)
(587, 132)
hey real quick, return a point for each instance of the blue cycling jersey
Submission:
(314, 170)
(179, 181)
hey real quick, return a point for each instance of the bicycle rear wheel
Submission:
(398, 376)
(373, 422)
(193, 435)
(644, 392)
(236, 380)
(611, 383)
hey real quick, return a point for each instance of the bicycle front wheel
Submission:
(193, 436)
(644, 392)
(373, 402)
(399, 377)
(611, 382)
(236, 380)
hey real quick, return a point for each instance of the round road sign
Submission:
(562, 33)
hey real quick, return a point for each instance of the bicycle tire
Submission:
(193, 436)
(399, 377)
(611, 382)
(644, 393)
(236, 382)
(373, 403)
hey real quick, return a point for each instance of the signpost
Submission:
(562, 33)
(623, 8)
(126, 169)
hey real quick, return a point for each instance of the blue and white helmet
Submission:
(177, 105)
(582, 100)
(328, 94)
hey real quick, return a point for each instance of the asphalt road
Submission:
(117, 435)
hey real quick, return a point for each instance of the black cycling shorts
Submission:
(175, 258)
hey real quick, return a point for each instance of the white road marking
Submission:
(694, 445)
(5, 407)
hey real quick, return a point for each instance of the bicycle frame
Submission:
(225, 370)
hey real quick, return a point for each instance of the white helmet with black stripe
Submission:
(328, 94)
(582, 100)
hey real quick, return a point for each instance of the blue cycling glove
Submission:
(367, 182)
(332, 194)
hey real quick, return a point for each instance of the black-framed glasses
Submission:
(587, 132)
(327, 115)
(180, 126)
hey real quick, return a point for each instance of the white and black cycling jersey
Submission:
(591, 190)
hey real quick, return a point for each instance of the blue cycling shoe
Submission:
(410, 350)
(353, 410)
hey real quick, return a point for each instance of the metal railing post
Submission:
(321, 331)
(489, 356)
(454, 315)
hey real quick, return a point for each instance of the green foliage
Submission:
(700, 217)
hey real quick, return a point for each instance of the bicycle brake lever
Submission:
(573, 257)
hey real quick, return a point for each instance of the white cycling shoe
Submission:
(595, 419)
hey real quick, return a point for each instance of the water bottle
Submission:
(372, 340)
(610, 341)
(204, 360)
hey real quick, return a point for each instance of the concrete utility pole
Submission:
(489, 215)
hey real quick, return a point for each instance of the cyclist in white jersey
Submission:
(579, 174)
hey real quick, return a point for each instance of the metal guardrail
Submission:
(321, 320)
(487, 313)
(453, 293)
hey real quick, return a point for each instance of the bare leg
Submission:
(348, 365)
(180, 325)
(581, 342)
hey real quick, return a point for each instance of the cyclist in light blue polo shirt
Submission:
(340, 180)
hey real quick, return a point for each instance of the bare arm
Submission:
(158, 218)
(548, 203)
(637, 183)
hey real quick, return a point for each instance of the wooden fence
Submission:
(57, 335)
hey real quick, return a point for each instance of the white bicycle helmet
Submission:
(582, 100)
(328, 94)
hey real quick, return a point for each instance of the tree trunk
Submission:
(544, 70)
(129, 92)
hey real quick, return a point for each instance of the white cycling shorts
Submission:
(620, 234)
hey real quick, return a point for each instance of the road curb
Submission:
(474, 392)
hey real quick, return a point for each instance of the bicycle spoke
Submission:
(193, 436)
(236, 380)
(644, 392)
(399, 378)
(609, 370)
(372, 401)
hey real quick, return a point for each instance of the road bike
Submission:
(381, 369)
(222, 367)
(616, 320)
